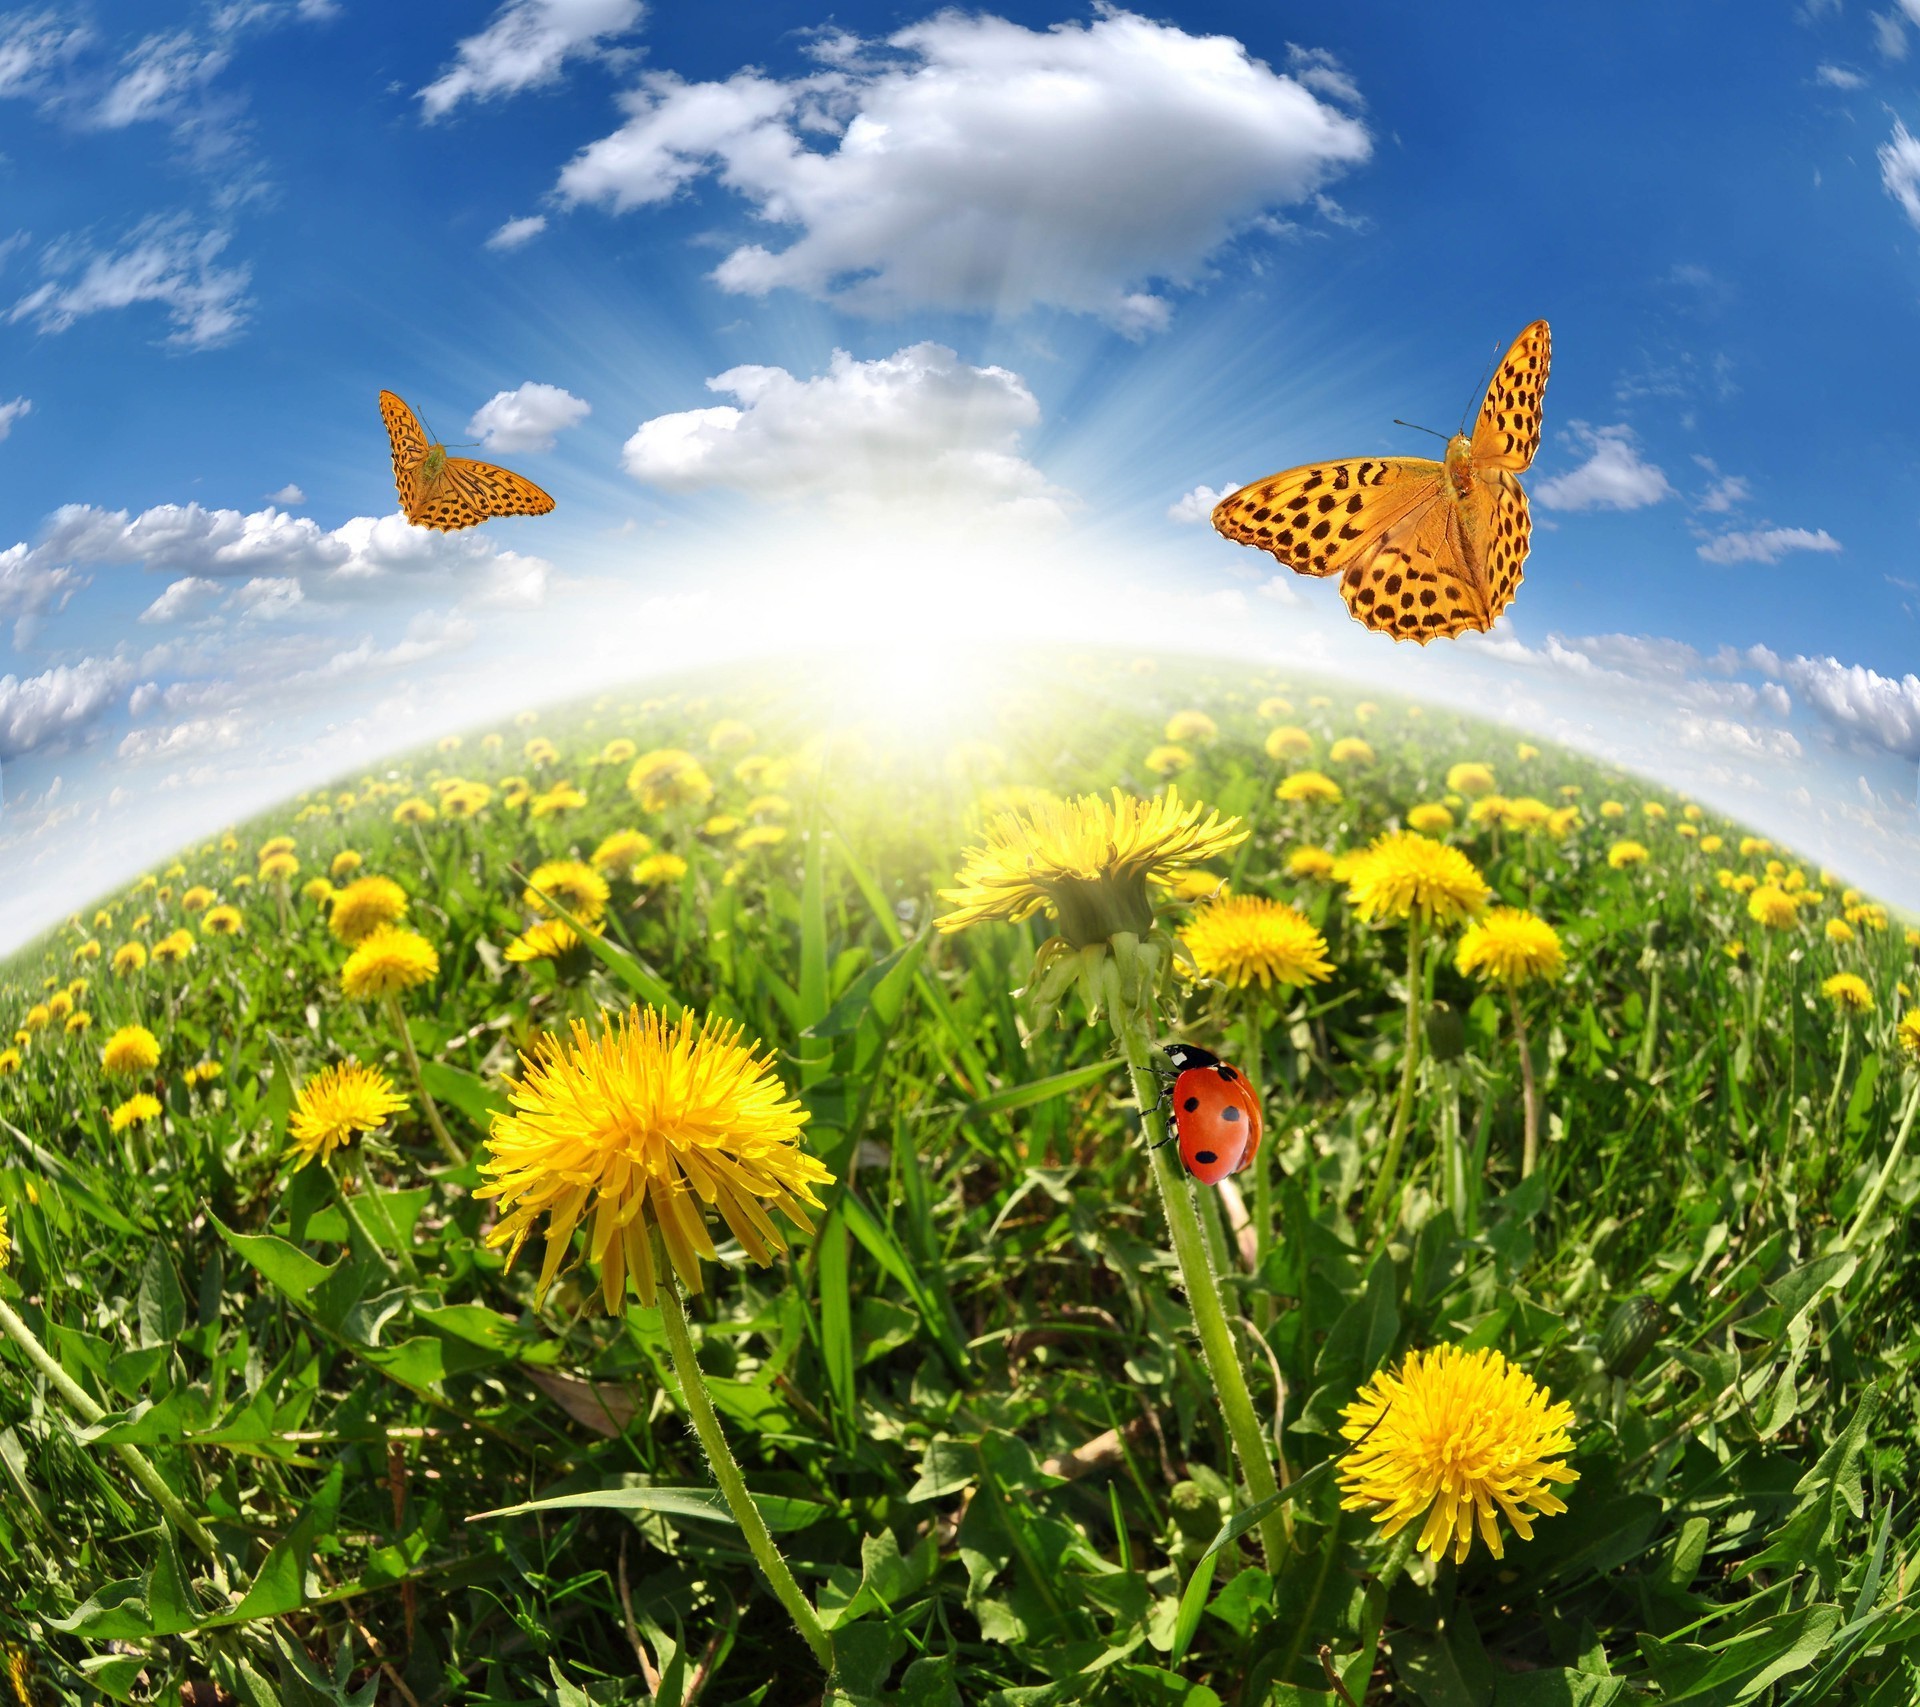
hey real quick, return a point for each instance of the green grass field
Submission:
(253, 1418)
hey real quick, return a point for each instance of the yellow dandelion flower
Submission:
(1272, 709)
(1653, 811)
(468, 800)
(759, 836)
(1623, 854)
(1526, 814)
(39, 1017)
(1690, 831)
(1310, 862)
(540, 751)
(620, 852)
(1733, 950)
(197, 899)
(1245, 937)
(1612, 809)
(619, 751)
(88, 950)
(59, 1005)
(172, 948)
(1712, 844)
(562, 797)
(549, 939)
(669, 776)
(1511, 946)
(363, 906)
(1772, 907)
(318, 890)
(337, 1105)
(636, 1129)
(130, 1051)
(1318, 702)
(415, 810)
(1366, 711)
(271, 846)
(6, 1256)
(1745, 883)
(135, 1111)
(387, 962)
(722, 824)
(1196, 885)
(1848, 991)
(279, 868)
(658, 870)
(1752, 845)
(1525, 750)
(1907, 1034)
(1167, 760)
(79, 1022)
(1470, 778)
(1185, 726)
(9, 1063)
(1087, 860)
(1350, 750)
(1431, 819)
(345, 863)
(577, 886)
(729, 735)
(1287, 742)
(1838, 930)
(1402, 875)
(1562, 821)
(1312, 787)
(222, 921)
(1458, 1437)
(768, 806)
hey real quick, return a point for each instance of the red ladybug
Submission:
(1216, 1116)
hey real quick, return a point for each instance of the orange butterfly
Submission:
(1423, 549)
(448, 492)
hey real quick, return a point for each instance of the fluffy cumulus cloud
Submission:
(11, 412)
(1197, 505)
(57, 708)
(1861, 704)
(971, 163)
(526, 46)
(30, 589)
(288, 494)
(1614, 477)
(527, 419)
(916, 427)
(164, 261)
(187, 597)
(1766, 545)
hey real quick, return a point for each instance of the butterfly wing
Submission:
(1503, 529)
(1326, 516)
(409, 441)
(1507, 434)
(1415, 583)
(494, 491)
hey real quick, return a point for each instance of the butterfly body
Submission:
(1424, 549)
(450, 492)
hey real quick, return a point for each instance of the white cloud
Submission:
(29, 589)
(527, 419)
(976, 165)
(52, 710)
(288, 494)
(1197, 505)
(1838, 77)
(163, 261)
(1317, 69)
(1725, 493)
(525, 47)
(32, 45)
(518, 231)
(267, 597)
(1889, 36)
(1766, 545)
(1281, 590)
(1900, 170)
(1876, 710)
(156, 78)
(1614, 477)
(11, 412)
(918, 426)
(1706, 733)
(186, 597)
(196, 735)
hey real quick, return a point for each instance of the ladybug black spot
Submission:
(1206, 1158)
(1229, 1113)
(1191, 1104)
(1228, 1073)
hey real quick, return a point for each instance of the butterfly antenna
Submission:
(1415, 425)
(1486, 379)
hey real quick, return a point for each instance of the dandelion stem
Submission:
(1839, 1077)
(1403, 1109)
(1877, 1190)
(1530, 1140)
(733, 1486)
(453, 1152)
(1252, 1069)
(83, 1406)
(1196, 1274)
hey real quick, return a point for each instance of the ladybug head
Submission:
(1186, 1055)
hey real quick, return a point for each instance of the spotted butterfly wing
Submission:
(1425, 550)
(451, 492)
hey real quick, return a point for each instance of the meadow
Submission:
(1030, 1415)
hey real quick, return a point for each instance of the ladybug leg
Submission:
(1164, 1108)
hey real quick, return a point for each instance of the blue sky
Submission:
(828, 325)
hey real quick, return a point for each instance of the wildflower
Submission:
(1653, 811)
(1712, 844)
(318, 890)
(1771, 907)
(549, 939)
(9, 1063)
(669, 776)
(562, 797)
(59, 1005)
(1458, 1437)
(1752, 845)
(1270, 710)
(388, 961)
(79, 1022)
(6, 1256)
(624, 1131)
(1838, 930)
(1166, 760)
(1199, 884)
(337, 1105)
(88, 950)
(575, 885)
(1402, 875)
(222, 921)
(540, 751)
(768, 806)
(345, 863)
(1848, 992)
(1562, 821)
(1690, 831)
(618, 751)
(1310, 862)
(1185, 726)
(197, 899)
(1511, 946)
(1526, 814)
(1470, 778)
(130, 1051)
(135, 1111)
(729, 735)
(271, 846)
(279, 868)
(1288, 742)
(363, 906)
(1241, 938)
(658, 870)
(759, 836)
(1906, 1034)
(1623, 854)
(1612, 809)
(722, 824)
(1431, 819)
(620, 852)
(1745, 883)
(1350, 750)
(1525, 750)
(414, 810)
(1309, 786)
